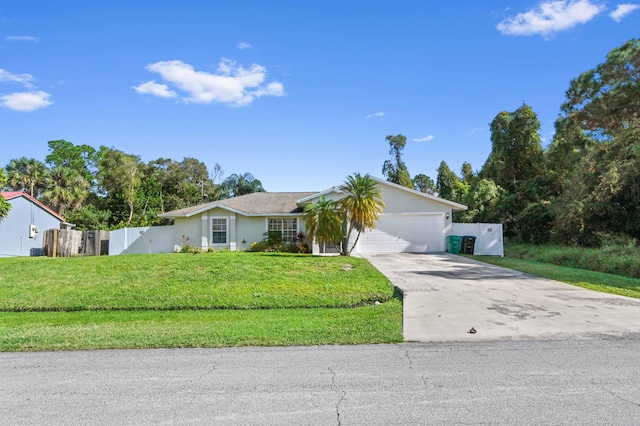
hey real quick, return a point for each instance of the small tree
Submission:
(323, 222)
(360, 207)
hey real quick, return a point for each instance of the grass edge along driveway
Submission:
(185, 300)
(598, 281)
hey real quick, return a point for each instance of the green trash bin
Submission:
(454, 243)
(468, 244)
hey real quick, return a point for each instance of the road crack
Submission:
(337, 389)
(621, 398)
(406, 354)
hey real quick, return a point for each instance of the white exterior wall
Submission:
(489, 241)
(199, 230)
(398, 201)
(187, 229)
(143, 240)
(239, 228)
(250, 229)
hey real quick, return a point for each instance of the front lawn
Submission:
(227, 280)
(186, 300)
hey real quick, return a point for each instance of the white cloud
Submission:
(155, 89)
(230, 84)
(427, 138)
(375, 114)
(551, 17)
(243, 45)
(623, 10)
(22, 38)
(26, 101)
(24, 79)
(476, 130)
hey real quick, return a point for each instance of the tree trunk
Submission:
(130, 213)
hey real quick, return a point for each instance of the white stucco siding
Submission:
(399, 201)
(249, 229)
(187, 230)
(197, 230)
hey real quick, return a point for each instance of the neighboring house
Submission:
(21, 232)
(411, 222)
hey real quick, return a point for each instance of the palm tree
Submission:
(360, 207)
(4, 204)
(243, 184)
(67, 191)
(27, 173)
(323, 222)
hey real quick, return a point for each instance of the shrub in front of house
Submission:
(273, 242)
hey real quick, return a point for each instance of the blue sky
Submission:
(298, 93)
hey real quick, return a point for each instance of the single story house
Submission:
(411, 222)
(21, 232)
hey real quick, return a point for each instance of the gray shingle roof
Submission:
(251, 204)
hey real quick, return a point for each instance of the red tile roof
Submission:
(15, 194)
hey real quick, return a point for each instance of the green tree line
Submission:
(108, 188)
(583, 189)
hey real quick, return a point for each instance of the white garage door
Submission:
(416, 233)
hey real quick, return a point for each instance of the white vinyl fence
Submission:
(144, 240)
(489, 241)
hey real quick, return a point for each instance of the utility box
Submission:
(468, 244)
(454, 243)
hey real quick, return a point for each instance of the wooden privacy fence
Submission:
(62, 242)
(71, 243)
(95, 243)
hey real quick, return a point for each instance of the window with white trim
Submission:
(287, 226)
(219, 230)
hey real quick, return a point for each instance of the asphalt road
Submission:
(590, 381)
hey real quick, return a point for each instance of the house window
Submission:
(287, 226)
(219, 230)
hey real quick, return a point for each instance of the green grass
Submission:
(228, 280)
(613, 258)
(599, 281)
(186, 300)
(39, 331)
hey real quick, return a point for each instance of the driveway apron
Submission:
(451, 298)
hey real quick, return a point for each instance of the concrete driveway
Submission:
(445, 295)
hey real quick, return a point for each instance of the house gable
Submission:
(21, 232)
(393, 192)
(17, 194)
